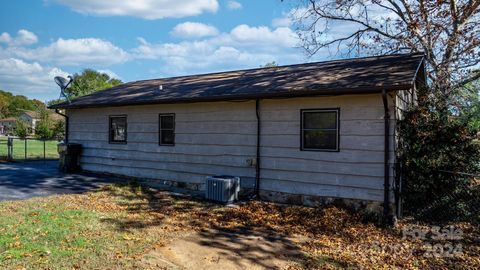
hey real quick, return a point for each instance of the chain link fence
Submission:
(460, 204)
(12, 148)
(3, 148)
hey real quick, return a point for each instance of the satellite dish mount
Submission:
(64, 83)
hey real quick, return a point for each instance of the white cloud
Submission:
(281, 22)
(288, 18)
(29, 79)
(110, 73)
(234, 5)
(193, 30)
(201, 56)
(5, 38)
(30, 71)
(24, 37)
(146, 9)
(280, 37)
(18, 67)
(242, 47)
(73, 52)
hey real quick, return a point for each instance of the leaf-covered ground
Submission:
(118, 226)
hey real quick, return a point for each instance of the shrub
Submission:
(47, 128)
(44, 130)
(434, 147)
(59, 130)
(22, 130)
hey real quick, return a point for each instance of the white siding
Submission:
(356, 171)
(210, 138)
(219, 137)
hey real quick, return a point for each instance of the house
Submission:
(7, 125)
(31, 118)
(309, 133)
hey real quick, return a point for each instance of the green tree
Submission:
(20, 104)
(5, 99)
(469, 104)
(59, 130)
(39, 105)
(90, 81)
(22, 130)
(13, 106)
(44, 129)
(3, 106)
(270, 64)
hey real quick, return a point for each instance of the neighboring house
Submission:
(30, 117)
(7, 125)
(307, 133)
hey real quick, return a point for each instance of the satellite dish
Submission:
(64, 83)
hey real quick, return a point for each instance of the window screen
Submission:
(319, 130)
(167, 129)
(118, 129)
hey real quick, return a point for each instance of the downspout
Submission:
(257, 157)
(386, 199)
(66, 124)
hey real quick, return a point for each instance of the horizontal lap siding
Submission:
(210, 138)
(218, 138)
(323, 190)
(356, 171)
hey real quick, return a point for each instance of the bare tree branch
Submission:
(467, 81)
(447, 31)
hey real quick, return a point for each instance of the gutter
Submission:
(66, 124)
(386, 199)
(257, 158)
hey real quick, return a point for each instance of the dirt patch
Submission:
(227, 250)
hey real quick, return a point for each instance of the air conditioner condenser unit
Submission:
(222, 188)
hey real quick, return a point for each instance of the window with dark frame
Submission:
(118, 129)
(320, 129)
(166, 130)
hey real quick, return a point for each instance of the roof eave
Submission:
(419, 70)
(305, 93)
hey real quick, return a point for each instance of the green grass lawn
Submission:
(58, 233)
(34, 149)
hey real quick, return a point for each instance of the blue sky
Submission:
(138, 40)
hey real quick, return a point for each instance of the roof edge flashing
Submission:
(283, 95)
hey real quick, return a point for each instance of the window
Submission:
(320, 129)
(118, 129)
(166, 130)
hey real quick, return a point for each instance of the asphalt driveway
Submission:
(23, 180)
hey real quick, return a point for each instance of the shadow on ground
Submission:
(210, 236)
(244, 247)
(23, 180)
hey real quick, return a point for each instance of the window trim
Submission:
(110, 137)
(337, 111)
(160, 129)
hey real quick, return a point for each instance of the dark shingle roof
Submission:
(349, 76)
